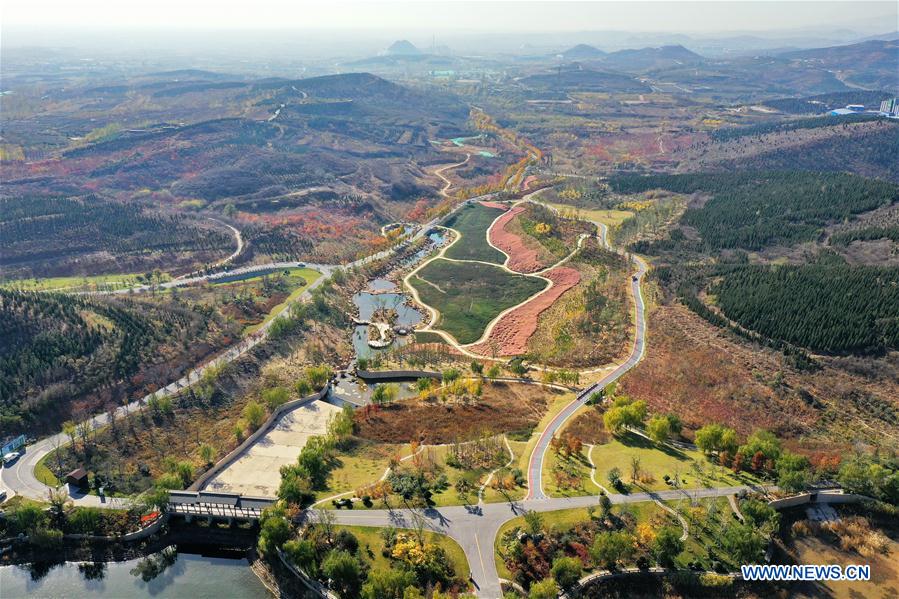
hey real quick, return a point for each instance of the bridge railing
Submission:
(217, 505)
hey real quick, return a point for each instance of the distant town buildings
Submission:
(890, 107)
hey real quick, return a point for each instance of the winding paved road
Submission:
(535, 466)
(19, 478)
(473, 527)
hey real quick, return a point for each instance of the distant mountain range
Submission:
(644, 59)
(403, 48)
(633, 60)
(872, 64)
(582, 52)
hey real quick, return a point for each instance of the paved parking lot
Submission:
(257, 471)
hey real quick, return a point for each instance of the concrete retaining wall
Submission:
(126, 538)
(311, 584)
(805, 498)
(263, 429)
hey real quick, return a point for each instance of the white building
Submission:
(890, 107)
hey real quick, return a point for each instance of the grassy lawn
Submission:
(428, 337)
(610, 218)
(43, 473)
(706, 520)
(113, 281)
(360, 466)
(296, 275)
(692, 466)
(520, 449)
(356, 473)
(292, 275)
(472, 223)
(16, 501)
(577, 468)
(451, 497)
(469, 295)
(370, 544)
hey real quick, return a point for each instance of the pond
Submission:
(376, 285)
(367, 303)
(164, 574)
(460, 141)
(358, 392)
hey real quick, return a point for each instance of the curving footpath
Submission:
(444, 191)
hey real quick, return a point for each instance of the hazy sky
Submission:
(502, 16)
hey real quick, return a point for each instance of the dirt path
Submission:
(237, 237)
(447, 183)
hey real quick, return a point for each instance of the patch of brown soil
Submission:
(691, 371)
(253, 312)
(705, 374)
(588, 426)
(497, 205)
(510, 335)
(824, 547)
(521, 258)
(502, 408)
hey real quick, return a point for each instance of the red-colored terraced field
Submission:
(510, 335)
(521, 258)
(497, 205)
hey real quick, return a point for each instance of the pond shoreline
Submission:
(206, 539)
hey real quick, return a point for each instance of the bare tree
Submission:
(419, 523)
(326, 519)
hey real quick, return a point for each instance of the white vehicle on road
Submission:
(11, 457)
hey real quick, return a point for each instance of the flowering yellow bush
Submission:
(636, 206)
(571, 194)
(645, 534)
(408, 550)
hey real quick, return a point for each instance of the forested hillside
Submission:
(64, 353)
(831, 308)
(40, 233)
(870, 153)
(753, 210)
(729, 133)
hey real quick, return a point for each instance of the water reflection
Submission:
(153, 565)
(92, 570)
(376, 285)
(164, 574)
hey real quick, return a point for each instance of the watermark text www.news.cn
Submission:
(813, 572)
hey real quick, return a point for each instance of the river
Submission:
(167, 574)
